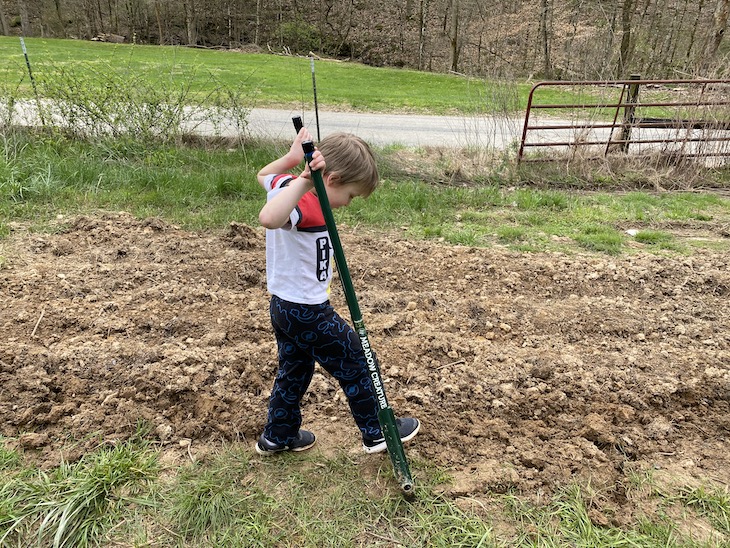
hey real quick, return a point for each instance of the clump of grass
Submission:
(567, 520)
(8, 458)
(532, 199)
(510, 234)
(213, 497)
(76, 504)
(436, 521)
(116, 496)
(653, 237)
(601, 238)
(654, 172)
(712, 503)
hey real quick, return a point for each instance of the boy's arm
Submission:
(277, 210)
(287, 162)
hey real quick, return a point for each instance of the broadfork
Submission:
(386, 417)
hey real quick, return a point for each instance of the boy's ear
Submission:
(333, 178)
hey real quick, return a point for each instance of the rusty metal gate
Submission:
(683, 118)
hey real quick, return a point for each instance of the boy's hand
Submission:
(295, 151)
(317, 163)
(291, 159)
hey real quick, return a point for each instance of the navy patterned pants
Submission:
(309, 333)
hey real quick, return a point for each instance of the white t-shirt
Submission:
(298, 255)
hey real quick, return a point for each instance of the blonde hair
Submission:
(351, 159)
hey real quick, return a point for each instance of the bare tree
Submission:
(191, 21)
(134, 19)
(454, 35)
(3, 20)
(624, 56)
(678, 31)
(100, 13)
(545, 35)
(113, 16)
(693, 32)
(718, 32)
(60, 17)
(572, 38)
(24, 20)
(422, 33)
(256, 37)
(91, 17)
(158, 16)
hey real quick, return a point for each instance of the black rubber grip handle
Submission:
(308, 147)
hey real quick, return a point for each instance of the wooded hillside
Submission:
(561, 39)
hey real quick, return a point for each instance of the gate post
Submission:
(632, 99)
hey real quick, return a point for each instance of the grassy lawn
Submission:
(199, 188)
(269, 80)
(122, 495)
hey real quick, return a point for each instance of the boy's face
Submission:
(341, 195)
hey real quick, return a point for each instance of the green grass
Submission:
(709, 502)
(43, 177)
(268, 80)
(277, 80)
(76, 504)
(120, 495)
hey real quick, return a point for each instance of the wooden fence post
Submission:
(632, 99)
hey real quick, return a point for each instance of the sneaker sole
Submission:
(265, 453)
(382, 446)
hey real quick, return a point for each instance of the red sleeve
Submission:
(310, 213)
(281, 180)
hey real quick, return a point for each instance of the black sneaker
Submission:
(304, 440)
(407, 428)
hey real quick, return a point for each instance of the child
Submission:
(299, 272)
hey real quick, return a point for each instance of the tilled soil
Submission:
(528, 371)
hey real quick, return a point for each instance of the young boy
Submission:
(299, 271)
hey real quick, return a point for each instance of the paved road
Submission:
(482, 132)
(378, 129)
(384, 129)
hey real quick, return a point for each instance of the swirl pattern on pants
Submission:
(306, 334)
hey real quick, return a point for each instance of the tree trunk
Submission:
(624, 56)
(655, 31)
(422, 18)
(90, 18)
(671, 37)
(191, 22)
(454, 35)
(131, 22)
(113, 17)
(257, 25)
(678, 36)
(229, 24)
(718, 31)
(547, 67)
(101, 16)
(24, 21)
(60, 17)
(159, 22)
(4, 28)
(693, 33)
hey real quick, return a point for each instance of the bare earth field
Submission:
(528, 371)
